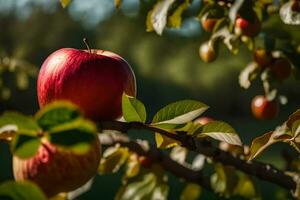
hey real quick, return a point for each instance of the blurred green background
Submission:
(167, 68)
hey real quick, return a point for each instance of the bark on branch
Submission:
(162, 159)
(260, 170)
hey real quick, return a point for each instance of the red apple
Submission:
(264, 109)
(94, 80)
(55, 170)
(208, 23)
(281, 68)
(145, 162)
(245, 27)
(262, 57)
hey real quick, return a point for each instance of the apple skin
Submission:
(208, 24)
(55, 170)
(262, 57)
(207, 53)
(95, 81)
(203, 120)
(244, 27)
(145, 161)
(264, 109)
(281, 68)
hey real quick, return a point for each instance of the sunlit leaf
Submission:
(7, 132)
(292, 118)
(175, 19)
(179, 154)
(77, 135)
(260, 143)
(25, 145)
(113, 158)
(20, 121)
(198, 162)
(224, 180)
(179, 112)
(248, 74)
(133, 109)
(149, 25)
(296, 129)
(242, 8)
(65, 3)
(231, 40)
(191, 192)
(133, 166)
(246, 188)
(287, 15)
(158, 17)
(164, 141)
(160, 192)
(141, 188)
(234, 10)
(57, 113)
(20, 191)
(220, 131)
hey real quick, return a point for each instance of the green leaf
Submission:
(175, 19)
(56, 114)
(224, 180)
(292, 118)
(246, 188)
(21, 191)
(260, 143)
(65, 3)
(296, 129)
(179, 112)
(25, 145)
(77, 135)
(133, 166)
(17, 122)
(157, 17)
(149, 26)
(220, 131)
(191, 192)
(165, 142)
(133, 110)
(113, 158)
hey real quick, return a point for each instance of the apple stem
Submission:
(87, 45)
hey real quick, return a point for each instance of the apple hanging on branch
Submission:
(92, 79)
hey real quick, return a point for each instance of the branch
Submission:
(159, 157)
(260, 170)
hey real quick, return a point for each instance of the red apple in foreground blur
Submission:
(55, 170)
(94, 80)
